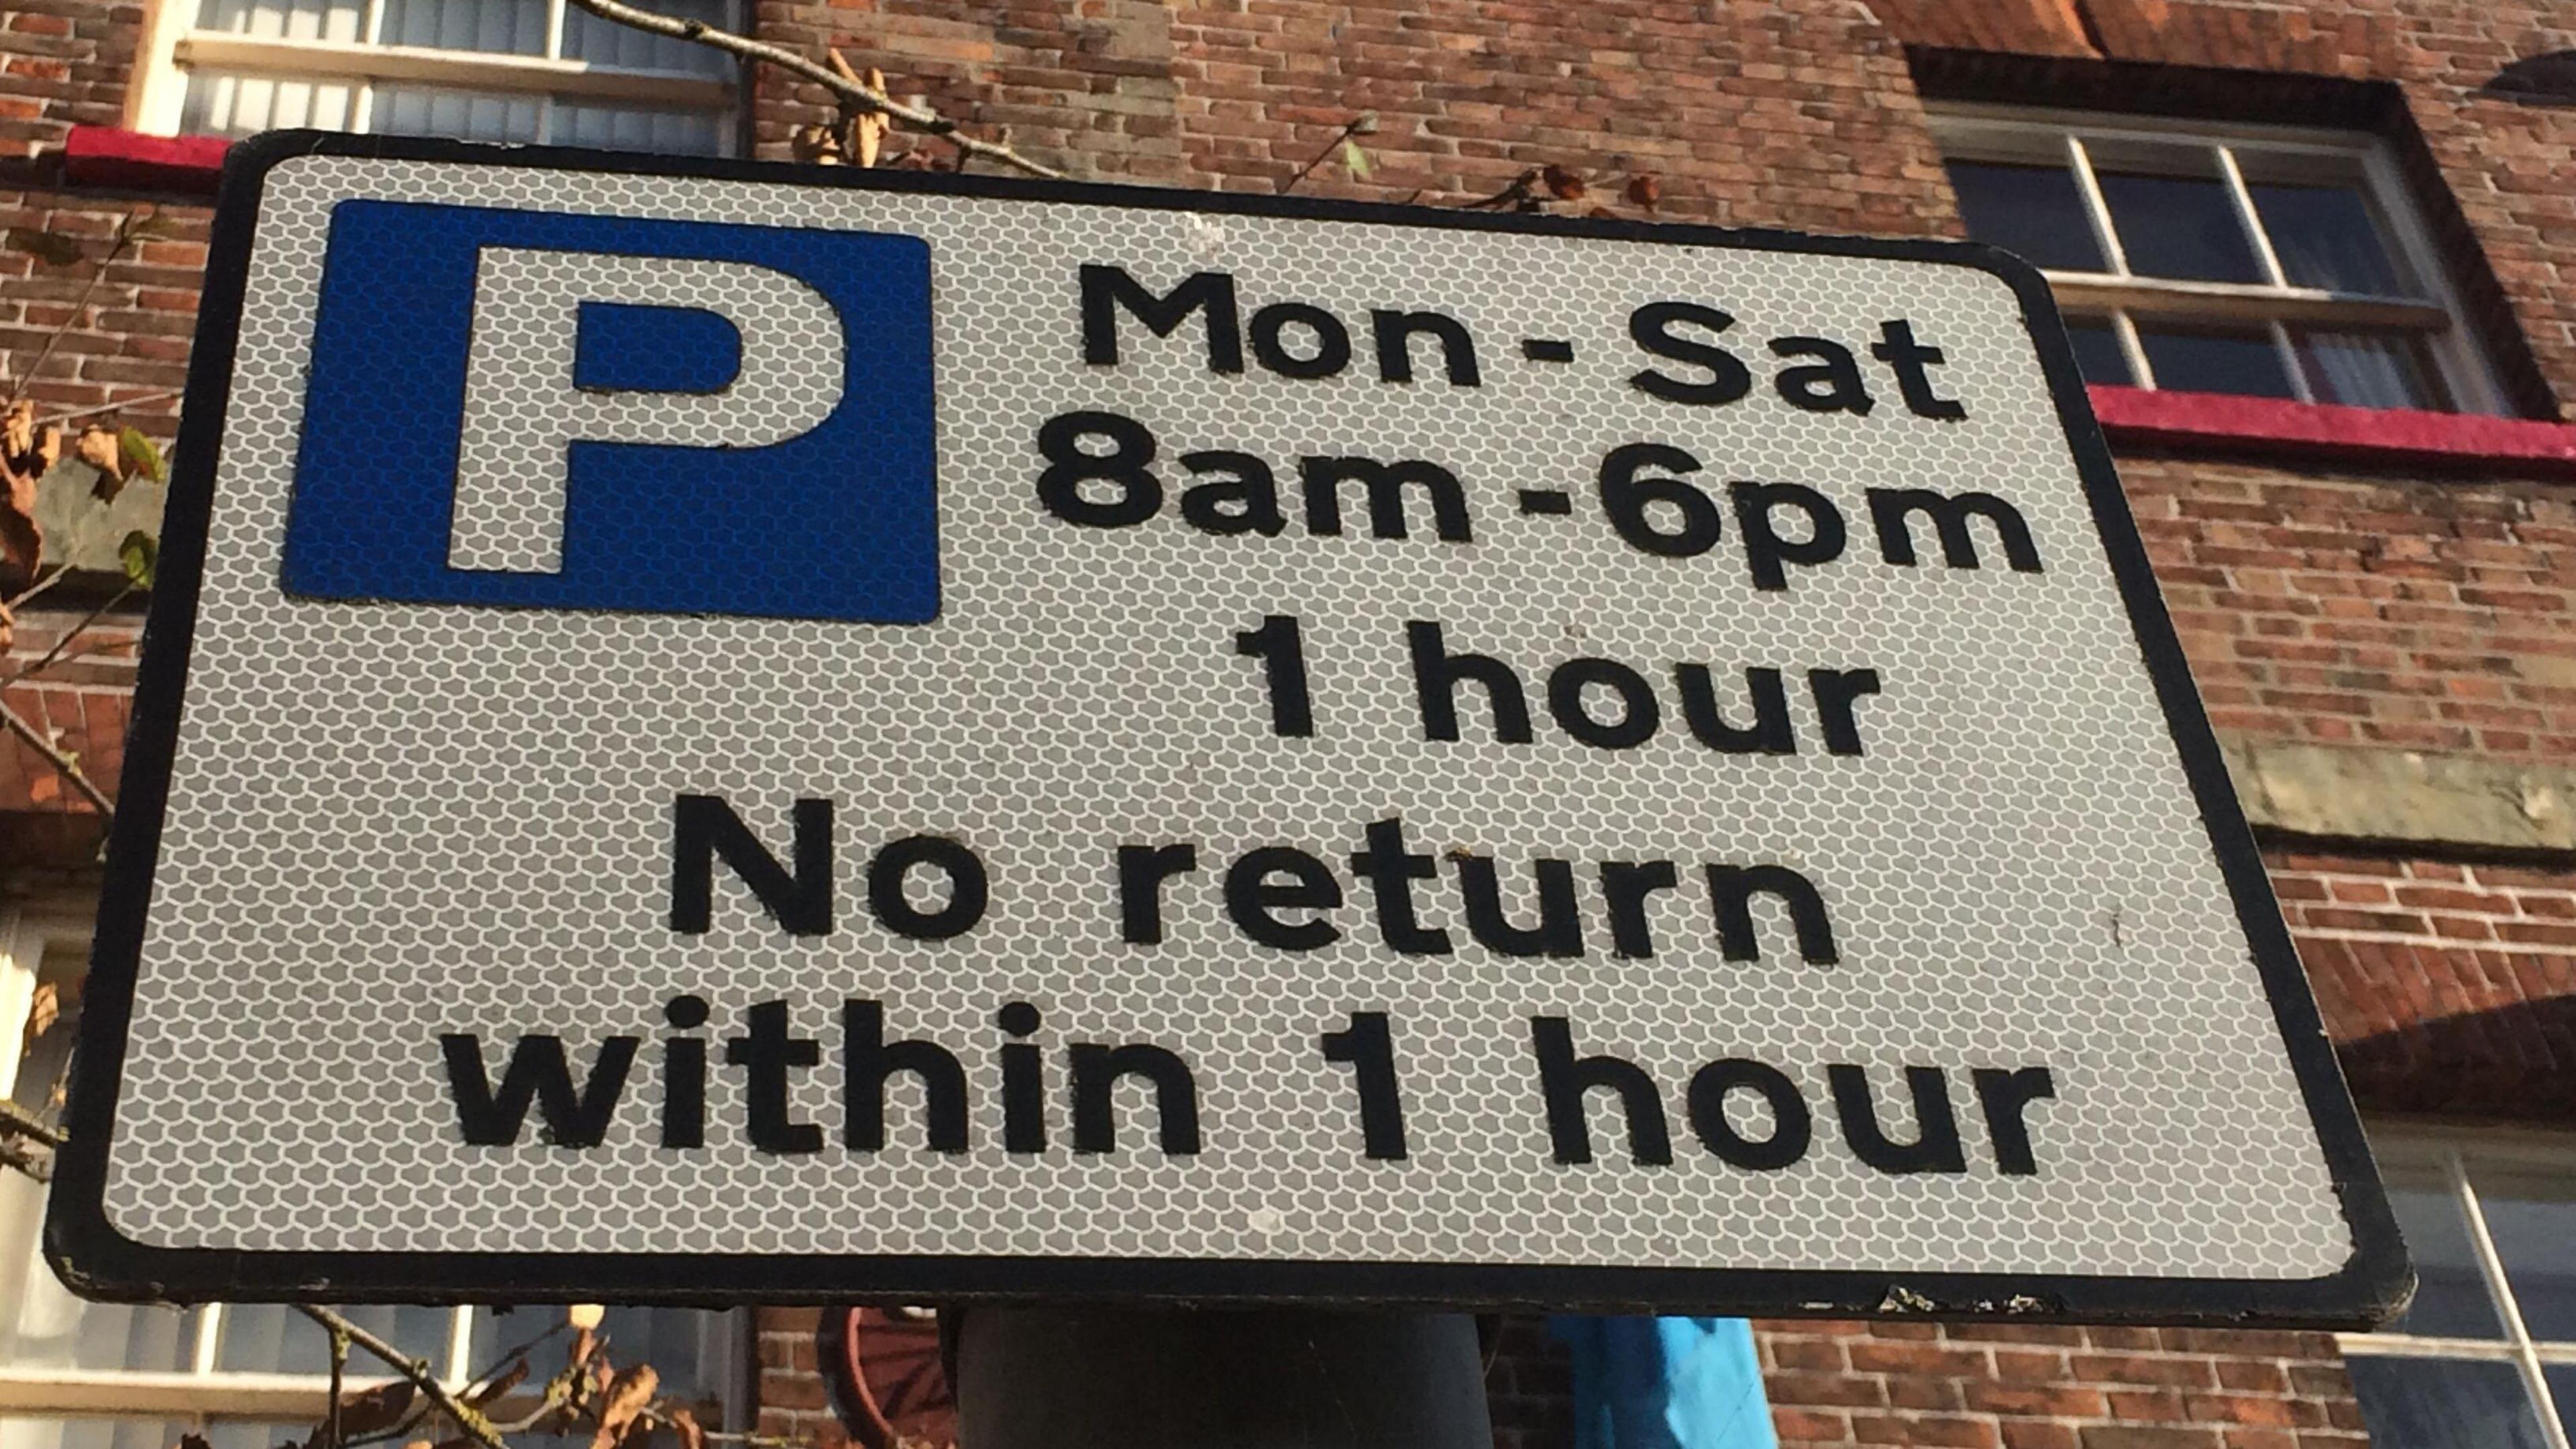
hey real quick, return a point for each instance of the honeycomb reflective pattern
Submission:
(511, 465)
(389, 821)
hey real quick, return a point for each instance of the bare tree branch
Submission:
(468, 1421)
(855, 94)
(64, 765)
(74, 632)
(17, 1121)
(118, 406)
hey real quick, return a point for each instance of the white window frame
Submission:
(2447, 1149)
(173, 45)
(203, 1392)
(2059, 138)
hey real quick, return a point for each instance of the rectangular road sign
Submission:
(720, 732)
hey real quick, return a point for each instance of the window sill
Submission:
(133, 161)
(2372, 437)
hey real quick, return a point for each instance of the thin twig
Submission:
(124, 238)
(858, 94)
(339, 1371)
(64, 765)
(17, 1121)
(1363, 124)
(38, 587)
(133, 402)
(469, 1421)
(74, 632)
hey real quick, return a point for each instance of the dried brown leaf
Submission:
(42, 1012)
(375, 1410)
(1562, 184)
(51, 248)
(629, 1395)
(686, 1426)
(194, 1441)
(510, 1378)
(1645, 189)
(102, 449)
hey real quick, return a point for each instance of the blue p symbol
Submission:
(519, 408)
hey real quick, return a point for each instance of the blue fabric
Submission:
(1666, 1383)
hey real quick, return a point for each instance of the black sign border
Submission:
(95, 1258)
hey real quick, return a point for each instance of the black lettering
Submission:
(1935, 1147)
(1142, 869)
(1792, 1125)
(537, 1072)
(1629, 884)
(1395, 332)
(1912, 361)
(704, 827)
(1322, 478)
(1281, 647)
(1096, 1070)
(867, 1060)
(766, 1053)
(1770, 734)
(1332, 342)
(1139, 492)
(1832, 384)
(1564, 1079)
(1023, 1081)
(1651, 327)
(1639, 711)
(1559, 932)
(1834, 691)
(1436, 675)
(1765, 550)
(684, 1075)
(1893, 510)
(1252, 895)
(968, 890)
(2005, 1097)
(1211, 293)
(1391, 871)
(1243, 499)
(1731, 889)
(1368, 1047)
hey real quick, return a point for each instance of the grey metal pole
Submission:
(1123, 1378)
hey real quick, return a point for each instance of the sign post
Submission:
(720, 733)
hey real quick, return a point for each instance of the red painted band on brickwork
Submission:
(106, 156)
(2379, 437)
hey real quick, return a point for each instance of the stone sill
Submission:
(2204, 422)
(133, 161)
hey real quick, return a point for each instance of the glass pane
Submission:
(635, 128)
(2034, 212)
(605, 42)
(273, 1338)
(2173, 214)
(253, 1434)
(689, 1347)
(465, 115)
(2562, 1387)
(283, 19)
(2326, 237)
(2097, 351)
(2432, 1403)
(2535, 1235)
(218, 104)
(2215, 359)
(18, 1433)
(2370, 369)
(506, 27)
(2451, 1299)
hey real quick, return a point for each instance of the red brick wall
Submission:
(62, 62)
(124, 338)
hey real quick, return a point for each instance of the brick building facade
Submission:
(2376, 604)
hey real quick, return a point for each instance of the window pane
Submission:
(2535, 1235)
(90, 1433)
(2034, 212)
(2370, 369)
(605, 42)
(2451, 1299)
(2431, 1403)
(2097, 351)
(2325, 237)
(2562, 1387)
(221, 104)
(638, 128)
(506, 27)
(273, 1338)
(2215, 359)
(2174, 216)
(282, 19)
(466, 115)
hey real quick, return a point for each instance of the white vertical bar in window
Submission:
(2133, 349)
(210, 1339)
(2290, 363)
(554, 29)
(371, 28)
(460, 1346)
(362, 108)
(2080, 161)
(546, 108)
(2500, 1291)
(2248, 218)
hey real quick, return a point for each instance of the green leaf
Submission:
(141, 456)
(141, 554)
(153, 226)
(45, 246)
(1356, 160)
